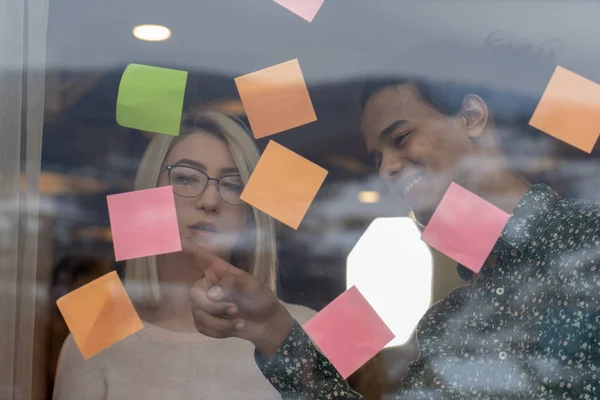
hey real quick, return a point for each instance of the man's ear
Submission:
(474, 115)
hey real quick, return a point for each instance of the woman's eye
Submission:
(184, 179)
(232, 186)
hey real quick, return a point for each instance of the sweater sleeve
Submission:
(300, 372)
(77, 378)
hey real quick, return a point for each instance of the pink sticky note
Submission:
(306, 9)
(144, 223)
(349, 332)
(465, 227)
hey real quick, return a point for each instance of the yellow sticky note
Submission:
(283, 184)
(276, 99)
(99, 314)
(569, 110)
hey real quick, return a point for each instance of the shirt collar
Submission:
(527, 220)
(523, 226)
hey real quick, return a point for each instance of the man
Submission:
(528, 327)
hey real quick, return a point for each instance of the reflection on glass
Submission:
(392, 268)
(369, 197)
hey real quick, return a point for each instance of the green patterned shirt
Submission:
(527, 328)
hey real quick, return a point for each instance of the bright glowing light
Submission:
(152, 33)
(368, 197)
(392, 268)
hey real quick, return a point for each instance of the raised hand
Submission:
(229, 302)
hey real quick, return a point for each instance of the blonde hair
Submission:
(258, 256)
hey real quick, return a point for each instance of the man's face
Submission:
(417, 150)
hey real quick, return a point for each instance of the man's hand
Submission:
(229, 302)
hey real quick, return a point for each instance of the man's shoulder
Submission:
(572, 236)
(580, 213)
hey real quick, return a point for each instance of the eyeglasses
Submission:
(191, 182)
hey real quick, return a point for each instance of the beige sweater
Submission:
(158, 364)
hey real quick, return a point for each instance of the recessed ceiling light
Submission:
(152, 33)
(368, 197)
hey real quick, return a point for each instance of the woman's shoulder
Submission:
(70, 352)
(74, 370)
(300, 313)
(71, 355)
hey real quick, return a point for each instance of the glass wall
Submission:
(353, 175)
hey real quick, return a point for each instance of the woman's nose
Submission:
(209, 199)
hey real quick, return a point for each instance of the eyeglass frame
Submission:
(169, 168)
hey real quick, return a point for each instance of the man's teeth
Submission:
(408, 187)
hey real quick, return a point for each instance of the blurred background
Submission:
(87, 156)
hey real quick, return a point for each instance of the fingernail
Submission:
(214, 292)
(232, 311)
(239, 326)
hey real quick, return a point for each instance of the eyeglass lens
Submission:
(189, 182)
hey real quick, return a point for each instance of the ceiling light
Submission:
(368, 197)
(152, 33)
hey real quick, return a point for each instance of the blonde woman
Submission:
(207, 165)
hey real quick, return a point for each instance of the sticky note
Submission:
(283, 184)
(276, 99)
(348, 332)
(569, 110)
(151, 99)
(144, 223)
(99, 314)
(465, 227)
(306, 9)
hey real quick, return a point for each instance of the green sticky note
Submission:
(151, 99)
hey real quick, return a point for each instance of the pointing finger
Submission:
(199, 299)
(201, 256)
(224, 290)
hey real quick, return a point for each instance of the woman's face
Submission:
(206, 219)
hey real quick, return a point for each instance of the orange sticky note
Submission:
(276, 99)
(283, 184)
(99, 314)
(349, 332)
(306, 9)
(569, 110)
